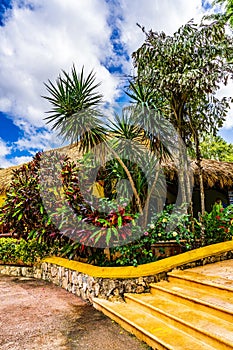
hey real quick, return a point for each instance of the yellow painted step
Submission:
(216, 303)
(208, 283)
(199, 324)
(152, 330)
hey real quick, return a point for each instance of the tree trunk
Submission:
(202, 191)
(146, 207)
(135, 192)
(198, 162)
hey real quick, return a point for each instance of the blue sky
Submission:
(39, 38)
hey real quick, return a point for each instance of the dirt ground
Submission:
(36, 315)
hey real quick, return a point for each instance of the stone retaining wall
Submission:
(88, 287)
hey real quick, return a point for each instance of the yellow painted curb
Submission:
(146, 269)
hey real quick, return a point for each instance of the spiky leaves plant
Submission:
(75, 113)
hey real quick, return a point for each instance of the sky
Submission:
(40, 38)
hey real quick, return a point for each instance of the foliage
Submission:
(165, 226)
(23, 210)
(218, 225)
(108, 225)
(184, 72)
(215, 147)
(227, 13)
(133, 254)
(28, 252)
(75, 113)
(179, 76)
(168, 225)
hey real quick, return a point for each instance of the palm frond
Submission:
(74, 114)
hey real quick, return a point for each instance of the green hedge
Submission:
(13, 251)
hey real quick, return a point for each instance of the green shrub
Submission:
(23, 210)
(218, 225)
(29, 252)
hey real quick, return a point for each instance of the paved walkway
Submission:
(36, 315)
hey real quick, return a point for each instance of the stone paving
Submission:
(36, 315)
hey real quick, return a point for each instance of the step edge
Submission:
(188, 324)
(140, 329)
(149, 334)
(187, 297)
(206, 282)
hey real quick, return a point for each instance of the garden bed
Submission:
(89, 281)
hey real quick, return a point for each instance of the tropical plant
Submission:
(14, 251)
(168, 225)
(75, 113)
(23, 208)
(123, 139)
(227, 13)
(215, 147)
(179, 75)
(218, 225)
(24, 211)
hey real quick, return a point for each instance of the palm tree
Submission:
(76, 113)
(77, 116)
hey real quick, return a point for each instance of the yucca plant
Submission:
(76, 114)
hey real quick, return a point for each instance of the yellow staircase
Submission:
(190, 311)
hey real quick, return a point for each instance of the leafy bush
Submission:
(29, 252)
(47, 227)
(23, 210)
(141, 250)
(218, 225)
(168, 225)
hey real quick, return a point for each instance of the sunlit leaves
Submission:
(180, 75)
(75, 115)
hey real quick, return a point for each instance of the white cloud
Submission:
(22, 160)
(36, 45)
(166, 15)
(5, 104)
(5, 150)
(227, 91)
(34, 140)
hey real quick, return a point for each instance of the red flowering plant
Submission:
(23, 212)
(108, 224)
(218, 225)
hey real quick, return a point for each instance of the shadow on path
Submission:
(36, 315)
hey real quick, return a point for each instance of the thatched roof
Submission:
(215, 173)
(6, 174)
(5, 178)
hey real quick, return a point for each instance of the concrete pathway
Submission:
(36, 315)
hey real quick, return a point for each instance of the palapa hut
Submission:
(217, 177)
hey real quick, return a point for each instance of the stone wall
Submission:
(88, 287)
